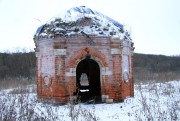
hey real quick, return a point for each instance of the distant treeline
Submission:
(17, 65)
(23, 64)
(156, 63)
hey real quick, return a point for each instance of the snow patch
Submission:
(157, 101)
(78, 19)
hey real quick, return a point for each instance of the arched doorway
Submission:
(88, 81)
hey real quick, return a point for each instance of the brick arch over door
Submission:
(96, 55)
(74, 60)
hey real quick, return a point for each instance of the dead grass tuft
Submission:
(15, 82)
(19, 91)
(145, 76)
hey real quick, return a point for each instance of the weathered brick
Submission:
(56, 81)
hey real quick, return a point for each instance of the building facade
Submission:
(83, 66)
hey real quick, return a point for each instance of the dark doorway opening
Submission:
(88, 81)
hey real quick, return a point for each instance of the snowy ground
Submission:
(156, 101)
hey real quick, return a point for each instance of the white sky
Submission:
(154, 24)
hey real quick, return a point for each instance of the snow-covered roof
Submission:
(80, 20)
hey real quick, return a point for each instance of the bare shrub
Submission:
(19, 105)
(89, 115)
(152, 106)
(77, 112)
(74, 112)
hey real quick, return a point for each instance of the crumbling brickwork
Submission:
(58, 60)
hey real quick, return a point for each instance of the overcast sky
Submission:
(154, 24)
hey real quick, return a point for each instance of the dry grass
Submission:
(145, 76)
(155, 110)
(19, 91)
(19, 105)
(22, 107)
(15, 82)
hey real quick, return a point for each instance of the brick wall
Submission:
(57, 61)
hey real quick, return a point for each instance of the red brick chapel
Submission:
(84, 55)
